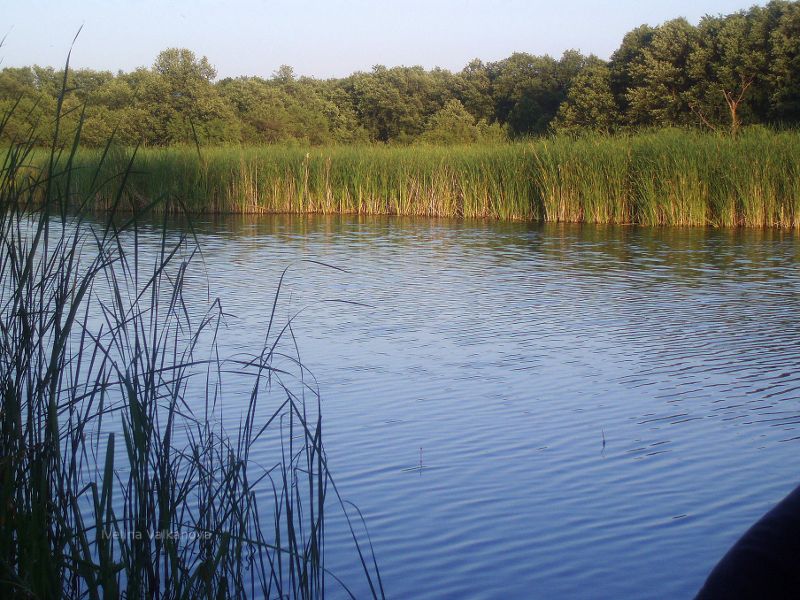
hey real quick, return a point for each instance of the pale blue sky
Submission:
(325, 38)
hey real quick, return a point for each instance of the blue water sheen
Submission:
(601, 411)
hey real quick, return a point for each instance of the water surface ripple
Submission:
(602, 411)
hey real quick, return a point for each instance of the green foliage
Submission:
(590, 103)
(661, 81)
(728, 66)
(188, 104)
(626, 63)
(451, 125)
(529, 89)
(474, 89)
(727, 72)
(784, 72)
(394, 104)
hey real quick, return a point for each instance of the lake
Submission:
(597, 411)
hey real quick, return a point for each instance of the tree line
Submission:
(725, 72)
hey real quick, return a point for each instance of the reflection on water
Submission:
(596, 410)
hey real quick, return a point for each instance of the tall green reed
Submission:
(668, 177)
(118, 474)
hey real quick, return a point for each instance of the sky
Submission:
(324, 38)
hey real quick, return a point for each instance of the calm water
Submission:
(509, 353)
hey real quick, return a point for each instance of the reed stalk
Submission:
(120, 474)
(669, 177)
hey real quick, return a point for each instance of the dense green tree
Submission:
(284, 74)
(394, 104)
(146, 116)
(529, 89)
(784, 70)
(16, 82)
(726, 72)
(452, 124)
(729, 58)
(660, 91)
(626, 64)
(20, 93)
(590, 103)
(185, 101)
(341, 115)
(475, 90)
(85, 82)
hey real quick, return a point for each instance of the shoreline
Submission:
(664, 178)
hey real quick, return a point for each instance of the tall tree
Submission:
(626, 64)
(590, 103)
(728, 58)
(394, 104)
(476, 91)
(661, 82)
(185, 100)
(453, 124)
(784, 70)
(529, 89)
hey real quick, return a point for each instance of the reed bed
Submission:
(669, 177)
(119, 476)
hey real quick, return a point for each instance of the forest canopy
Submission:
(726, 72)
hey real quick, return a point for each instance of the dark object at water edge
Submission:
(765, 562)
